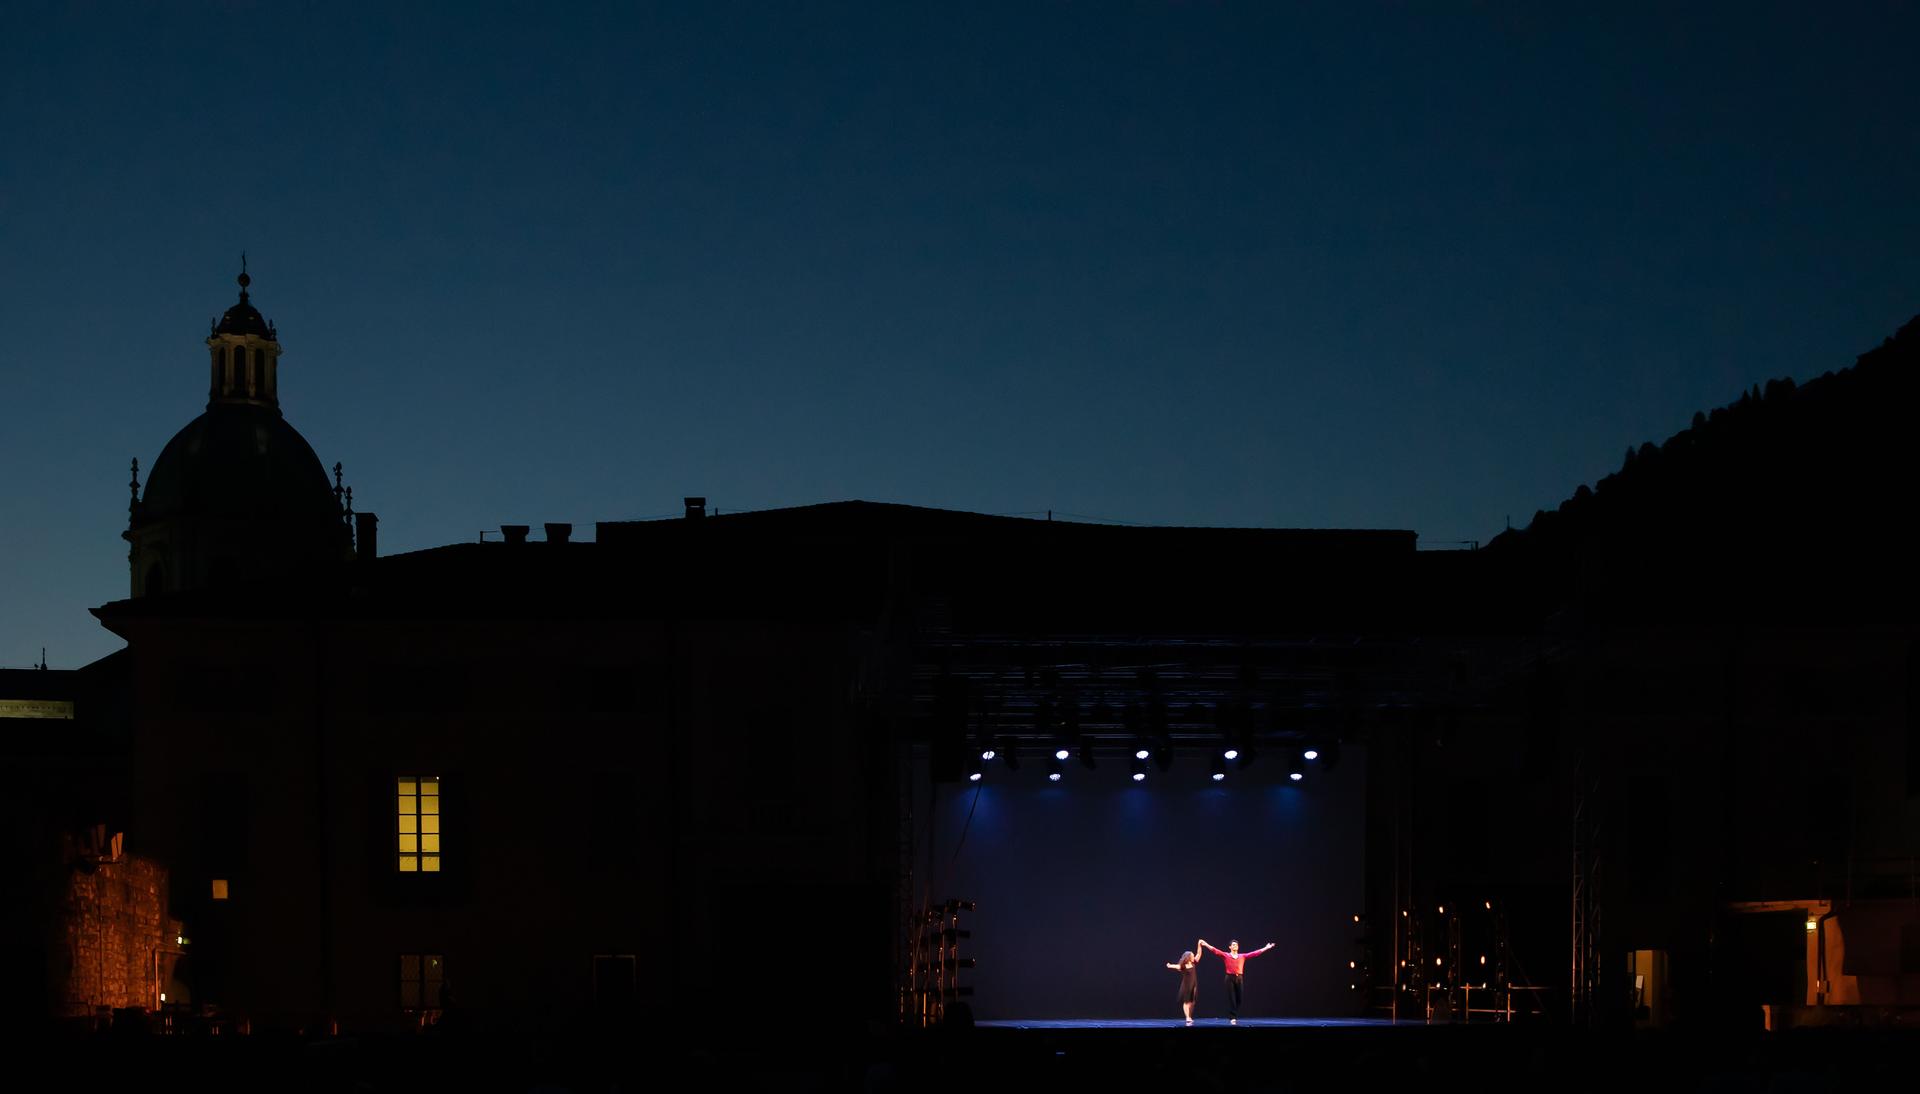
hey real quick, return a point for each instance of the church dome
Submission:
(239, 461)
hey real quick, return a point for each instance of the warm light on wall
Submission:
(219, 888)
(1813, 924)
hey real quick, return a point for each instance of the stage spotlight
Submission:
(1219, 768)
(973, 769)
(1231, 753)
(1055, 766)
(1311, 754)
(1062, 753)
(1141, 751)
(1139, 766)
(1443, 909)
(1295, 776)
(987, 753)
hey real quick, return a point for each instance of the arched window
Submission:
(226, 370)
(253, 371)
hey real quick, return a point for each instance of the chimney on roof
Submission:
(696, 508)
(559, 533)
(366, 535)
(513, 533)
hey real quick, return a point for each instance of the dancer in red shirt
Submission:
(1235, 962)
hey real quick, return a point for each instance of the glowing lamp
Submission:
(1232, 753)
(1311, 754)
(1295, 776)
(1053, 776)
(1061, 754)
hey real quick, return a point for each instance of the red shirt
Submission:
(1235, 961)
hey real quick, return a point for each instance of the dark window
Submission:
(613, 979)
(422, 979)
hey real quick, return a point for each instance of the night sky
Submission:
(1174, 263)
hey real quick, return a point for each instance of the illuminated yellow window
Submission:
(421, 975)
(419, 828)
(219, 888)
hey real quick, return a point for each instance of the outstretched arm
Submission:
(1204, 944)
(1172, 965)
(1263, 949)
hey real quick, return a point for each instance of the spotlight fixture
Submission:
(1295, 776)
(1055, 765)
(1311, 754)
(1230, 753)
(1139, 766)
(973, 769)
(987, 752)
(1141, 751)
(1296, 765)
(1219, 768)
(1062, 752)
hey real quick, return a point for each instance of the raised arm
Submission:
(1262, 949)
(1205, 945)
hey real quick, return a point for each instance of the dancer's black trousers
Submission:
(1233, 995)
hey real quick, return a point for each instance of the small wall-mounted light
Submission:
(1813, 924)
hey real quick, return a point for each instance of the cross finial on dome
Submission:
(243, 278)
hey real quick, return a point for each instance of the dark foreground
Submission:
(763, 1055)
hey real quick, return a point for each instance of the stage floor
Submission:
(1176, 1023)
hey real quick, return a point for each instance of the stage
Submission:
(1198, 1023)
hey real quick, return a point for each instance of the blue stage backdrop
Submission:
(1086, 888)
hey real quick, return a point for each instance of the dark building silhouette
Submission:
(1666, 732)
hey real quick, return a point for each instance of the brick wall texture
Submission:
(112, 923)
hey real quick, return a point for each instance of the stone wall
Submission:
(112, 923)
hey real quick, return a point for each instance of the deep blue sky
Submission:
(1168, 263)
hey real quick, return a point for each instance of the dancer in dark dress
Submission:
(1189, 981)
